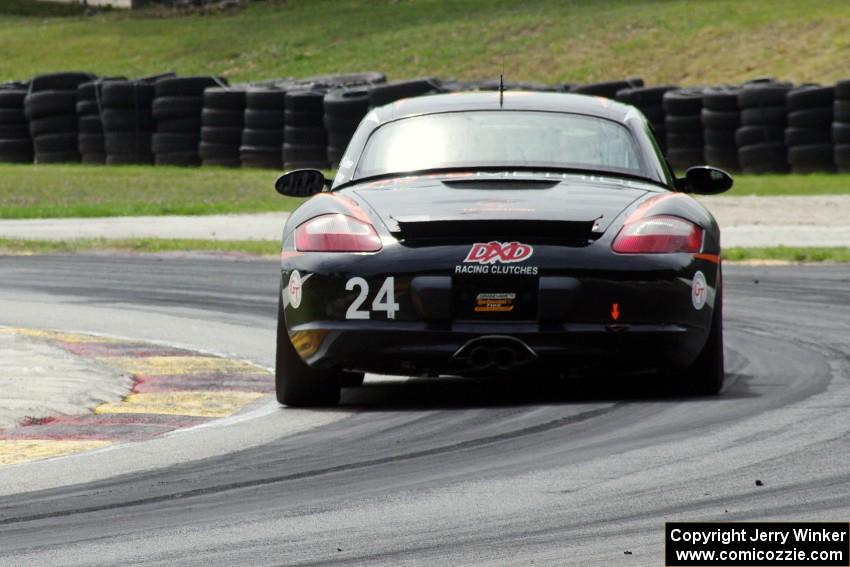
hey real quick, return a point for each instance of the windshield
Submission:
(500, 138)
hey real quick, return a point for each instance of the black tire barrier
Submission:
(15, 139)
(49, 103)
(303, 119)
(607, 89)
(179, 98)
(93, 159)
(811, 117)
(262, 136)
(840, 133)
(56, 143)
(811, 158)
(764, 114)
(770, 157)
(808, 136)
(179, 125)
(649, 100)
(841, 110)
(126, 144)
(725, 157)
(804, 136)
(721, 118)
(128, 121)
(127, 94)
(222, 122)
(749, 135)
(683, 124)
(841, 156)
(90, 144)
(125, 120)
(171, 107)
(296, 156)
(387, 93)
(54, 125)
(182, 159)
(57, 157)
(305, 136)
(51, 106)
(186, 86)
(60, 81)
(304, 130)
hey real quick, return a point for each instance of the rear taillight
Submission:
(658, 235)
(336, 233)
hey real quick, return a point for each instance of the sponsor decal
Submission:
(699, 291)
(293, 289)
(495, 302)
(498, 252)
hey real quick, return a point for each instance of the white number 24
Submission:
(384, 300)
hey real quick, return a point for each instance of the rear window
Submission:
(500, 138)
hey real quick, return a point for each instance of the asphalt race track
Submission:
(431, 472)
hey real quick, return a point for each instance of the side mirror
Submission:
(704, 180)
(301, 183)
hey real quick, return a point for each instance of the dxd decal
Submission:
(501, 252)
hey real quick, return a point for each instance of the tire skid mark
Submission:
(173, 388)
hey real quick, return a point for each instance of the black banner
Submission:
(757, 544)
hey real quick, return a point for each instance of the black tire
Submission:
(54, 124)
(842, 90)
(56, 143)
(227, 136)
(12, 116)
(841, 156)
(607, 89)
(188, 125)
(763, 158)
(297, 154)
(169, 108)
(252, 137)
(721, 99)
(87, 107)
(335, 155)
(16, 146)
(264, 119)
(683, 102)
(840, 133)
(683, 124)
(225, 99)
(339, 139)
(186, 86)
(706, 374)
(346, 104)
(14, 131)
(818, 156)
(654, 114)
(750, 135)
(128, 143)
(12, 98)
(721, 119)
(129, 159)
(810, 97)
(259, 158)
(93, 159)
(350, 79)
(209, 151)
(723, 157)
(644, 96)
(309, 101)
(223, 118)
(763, 95)
(811, 118)
(265, 99)
(296, 384)
(803, 136)
(841, 111)
(305, 136)
(303, 119)
(90, 144)
(49, 103)
(127, 94)
(182, 159)
(690, 140)
(16, 157)
(57, 157)
(338, 123)
(397, 90)
(719, 138)
(60, 81)
(175, 143)
(683, 158)
(764, 116)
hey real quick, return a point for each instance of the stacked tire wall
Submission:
(761, 137)
(262, 136)
(128, 122)
(649, 100)
(15, 140)
(344, 108)
(177, 108)
(222, 120)
(809, 132)
(721, 118)
(683, 122)
(841, 126)
(90, 139)
(51, 108)
(305, 141)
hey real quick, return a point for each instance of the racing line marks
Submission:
(172, 389)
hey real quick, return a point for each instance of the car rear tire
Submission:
(297, 384)
(705, 376)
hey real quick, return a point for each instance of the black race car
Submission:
(480, 233)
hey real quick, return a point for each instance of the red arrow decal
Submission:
(615, 311)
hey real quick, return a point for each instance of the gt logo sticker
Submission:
(293, 289)
(699, 291)
(502, 252)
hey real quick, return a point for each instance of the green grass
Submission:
(679, 41)
(788, 254)
(51, 191)
(32, 191)
(13, 246)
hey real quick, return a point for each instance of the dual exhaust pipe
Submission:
(494, 352)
